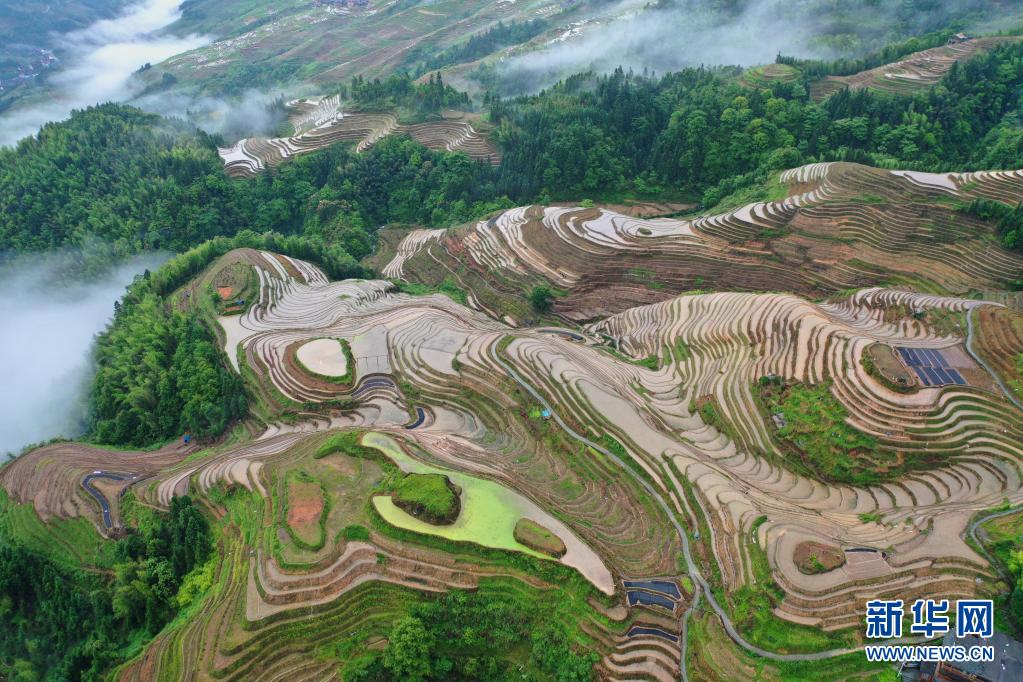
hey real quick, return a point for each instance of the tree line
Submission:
(69, 623)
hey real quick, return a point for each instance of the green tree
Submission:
(409, 652)
(541, 298)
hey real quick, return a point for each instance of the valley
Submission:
(648, 374)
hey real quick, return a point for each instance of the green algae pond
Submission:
(488, 515)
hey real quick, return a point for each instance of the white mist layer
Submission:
(46, 335)
(99, 64)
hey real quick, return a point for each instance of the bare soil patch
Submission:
(815, 557)
(305, 505)
(889, 369)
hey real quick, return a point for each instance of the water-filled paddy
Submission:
(488, 515)
(666, 587)
(324, 356)
(649, 599)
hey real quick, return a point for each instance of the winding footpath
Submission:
(972, 532)
(691, 566)
(980, 360)
(100, 497)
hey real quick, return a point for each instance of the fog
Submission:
(253, 113)
(98, 63)
(47, 329)
(671, 39)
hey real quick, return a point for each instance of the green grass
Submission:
(71, 542)
(830, 448)
(753, 612)
(713, 656)
(347, 443)
(427, 496)
(449, 287)
(532, 534)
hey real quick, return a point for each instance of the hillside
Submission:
(917, 71)
(27, 31)
(326, 43)
(439, 387)
(320, 122)
(650, 374)
(832, 228)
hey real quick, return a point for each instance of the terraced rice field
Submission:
(321, 121)
(634, 429)
(910, 75)
(843, 226)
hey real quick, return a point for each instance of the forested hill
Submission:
(132, 181)
(688, 131)
(137, 182)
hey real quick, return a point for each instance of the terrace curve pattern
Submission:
(321, 121)
(437, 385)
(910, 75)
(842, 226)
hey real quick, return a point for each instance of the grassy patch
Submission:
(712, 656)
(70, 542)
(815, 428)
(449, 287)
(347, 443)
(535, 536)
(430, 497)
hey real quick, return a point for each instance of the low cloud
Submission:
(98, 63)
(46, 335)
(665, 40)
(254, 113)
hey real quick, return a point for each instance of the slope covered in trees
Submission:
(698, 129)
(69, 623)
(133, 181)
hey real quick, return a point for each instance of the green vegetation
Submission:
(816, 427)
(185, 387)
(481, 635)
(488, 513)
(699, 131)
(399, 91)
(813, 69)
(68, 622)
(431, 497)
(448, 286)
(114, 181)
(533, 535)
(1008, 218)
(541, 298)
(477, 46)
(753, 612)
(68, 542)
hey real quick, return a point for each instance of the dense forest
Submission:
(466, 636)
(69, 623)
(401, 91)
(115, 180)
(690, 131)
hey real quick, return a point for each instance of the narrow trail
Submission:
(691, 566)
(972, 532)
(100, 497)
(969, 349)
